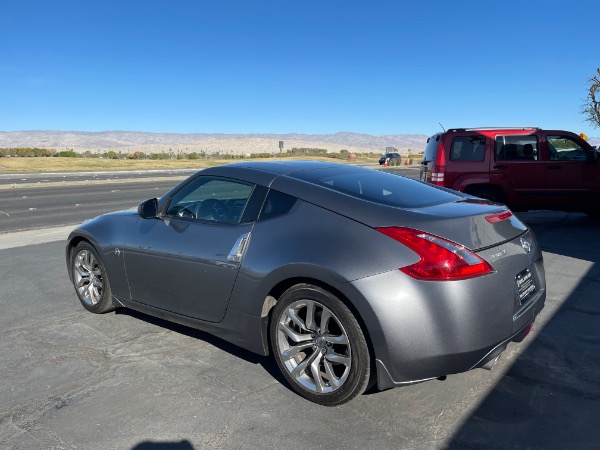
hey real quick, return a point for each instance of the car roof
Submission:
(287, 167)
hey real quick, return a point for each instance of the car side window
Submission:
(564, 148)
(516, 148)
(211, 199)
(277, 204)
(468, 148)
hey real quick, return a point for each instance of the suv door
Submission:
(572, 176)
(518, 168)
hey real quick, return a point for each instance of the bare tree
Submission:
(591, 106)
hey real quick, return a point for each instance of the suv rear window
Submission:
(379, 187)
(431, 148)
(516, 148)
(468, 148)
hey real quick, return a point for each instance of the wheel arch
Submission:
(359, 312)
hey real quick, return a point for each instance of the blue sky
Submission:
(252, 66)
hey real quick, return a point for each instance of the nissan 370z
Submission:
(350, 277)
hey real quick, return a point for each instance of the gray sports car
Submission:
(349, 276)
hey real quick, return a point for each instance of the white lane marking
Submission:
(5, 213)
(32, 209)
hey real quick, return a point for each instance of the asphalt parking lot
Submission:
(71, 379)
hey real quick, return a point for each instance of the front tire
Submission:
(90, 279)
(319, 346)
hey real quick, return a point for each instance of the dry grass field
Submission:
(56, 164)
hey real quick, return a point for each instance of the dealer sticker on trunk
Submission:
(525, 285)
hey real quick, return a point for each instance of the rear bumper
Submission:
(423, 330)
(456, 363)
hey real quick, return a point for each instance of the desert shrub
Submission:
(67, 154)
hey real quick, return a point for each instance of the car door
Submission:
(519, 169)
(572, 179)
(186, 261)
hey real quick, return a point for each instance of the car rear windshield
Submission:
(379, 187)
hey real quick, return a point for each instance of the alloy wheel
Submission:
(88, 278)
(314, 346)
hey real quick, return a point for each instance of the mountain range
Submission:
(130, 141)
(210, 142)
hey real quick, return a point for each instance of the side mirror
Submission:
(148, 209)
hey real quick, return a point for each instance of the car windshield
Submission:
(379, 187)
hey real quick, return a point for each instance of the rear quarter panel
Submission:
(312, 243)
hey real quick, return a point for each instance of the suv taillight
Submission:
(437, 175)
(441, 259)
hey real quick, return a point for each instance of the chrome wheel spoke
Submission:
(325, 316)
(90, 293)
(293, 351)
(335, 381)
(291, 313)
(301, 368)
(310, 315)
(315, 369)
(337, 358)
(341, 339)
(294, 336)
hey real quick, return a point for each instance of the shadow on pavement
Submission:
(266, 362)
(550, 396)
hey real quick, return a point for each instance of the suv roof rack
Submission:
(456, 130)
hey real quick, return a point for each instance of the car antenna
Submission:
(442, 126)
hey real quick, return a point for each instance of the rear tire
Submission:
(319, 346)
(90, 279)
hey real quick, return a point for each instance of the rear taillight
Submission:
(440, 259)
(494, 218)
(437, 175)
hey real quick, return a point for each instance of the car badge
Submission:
(526, 245)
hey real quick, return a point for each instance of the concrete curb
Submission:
(33, 237)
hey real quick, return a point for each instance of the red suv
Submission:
(526, 168)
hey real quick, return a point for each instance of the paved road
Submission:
(20, 179)
(71, 379)
(51, 204)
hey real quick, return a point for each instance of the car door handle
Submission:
(554, 167)
(239, 248)
(501, 166)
